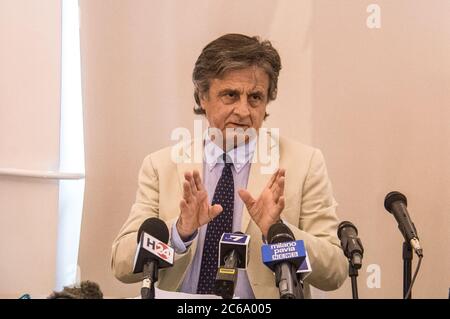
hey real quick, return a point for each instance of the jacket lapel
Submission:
(187, 161)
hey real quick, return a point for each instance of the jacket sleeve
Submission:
(317, 227)
(145, 206)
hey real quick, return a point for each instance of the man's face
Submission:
(237, 100)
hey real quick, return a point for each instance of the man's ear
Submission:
(203, 101)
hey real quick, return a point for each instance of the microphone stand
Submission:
(407, 264)
(150, 277)
(288, 283)
(353, 273)
(354, 263)
(300, 294)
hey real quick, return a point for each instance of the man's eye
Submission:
(230, 97)
(256, 98)
(229, 94)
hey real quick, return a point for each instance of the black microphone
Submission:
(350, 243)
(233, 255)
(285, 270)
(395, 203)
(152, 253)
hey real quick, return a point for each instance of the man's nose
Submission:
(242, 108)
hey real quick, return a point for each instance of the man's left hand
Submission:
(266, 209)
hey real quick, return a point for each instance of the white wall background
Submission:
(376, 101)
(381, 113)
(30, 45)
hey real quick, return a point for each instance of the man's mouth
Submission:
(237, 125)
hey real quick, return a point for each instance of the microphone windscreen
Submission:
(279, 233)
(393, 197)
(343, 225)
(156, 228)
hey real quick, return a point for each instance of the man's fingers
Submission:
(278, 185)
(278, 174)
(281, 203)
(273, 178)
(198, 181)
(187, 194)
(214, 211)
(248, 200)
(188, 176)
(183, 205)
(278, 188)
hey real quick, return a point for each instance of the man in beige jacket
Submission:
(235, 77)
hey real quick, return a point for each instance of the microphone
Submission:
(353, 250)
(284, 255)
(233, 255)
(350, 243)
(152, 253)
(395, 203)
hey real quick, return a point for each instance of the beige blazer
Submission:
(309, 212)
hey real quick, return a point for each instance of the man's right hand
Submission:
(194, 206)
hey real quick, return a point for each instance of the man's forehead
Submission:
(253, 77)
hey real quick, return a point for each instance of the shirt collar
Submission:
(240, 155)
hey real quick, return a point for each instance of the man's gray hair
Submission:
(234, 52)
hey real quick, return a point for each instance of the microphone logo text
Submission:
(158, 248)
